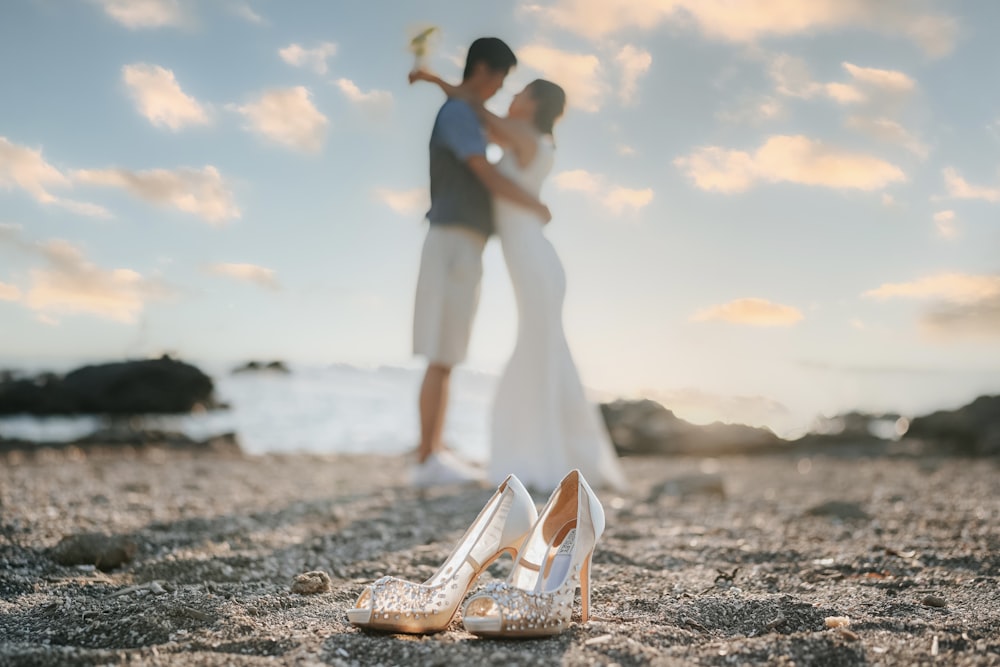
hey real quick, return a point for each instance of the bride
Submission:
(542, 423)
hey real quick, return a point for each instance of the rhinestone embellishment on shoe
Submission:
(394, 598)
(525, 611)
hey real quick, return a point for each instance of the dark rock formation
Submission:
(646, 427)
(147, 386)
(855, 426)
(973, 429)
(258, 366)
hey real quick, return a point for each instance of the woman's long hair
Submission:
(550, 102)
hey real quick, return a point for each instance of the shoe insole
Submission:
(559, 565)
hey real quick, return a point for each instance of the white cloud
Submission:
(959, 188)
(753, 109)
(84, 208)
(842, 93)
(887, 80)
(792, 78)
(625, 149)
(315, 58)
(769, 108)
(415, 201)
(957, 287)
(634, 63)
(74, 285)
(579, 180)
(888, 131)
(619, 199)
(791, 159)
(374, 100)
(751, 20)
(26, 169)
(249, 273)
(145, 13)
(287, 117)
(246, 12)
(616, 199)
(202, 192)
(888, 199)
(160, 99)
(945, 221)
(962, 305)
(579, 74)
(957, 322)
(752, 312)
(9, 292)
(70, 283)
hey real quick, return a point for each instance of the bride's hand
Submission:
(420, 75)
(544, 213)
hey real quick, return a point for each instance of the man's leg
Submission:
(447, 295)
(433, 408)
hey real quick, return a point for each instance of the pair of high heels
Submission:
(552, 553)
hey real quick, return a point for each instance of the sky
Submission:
(766, 209)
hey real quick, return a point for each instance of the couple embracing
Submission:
(542, 424)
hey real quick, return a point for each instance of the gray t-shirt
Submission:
(457, 195)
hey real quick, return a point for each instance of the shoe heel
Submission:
(538, 598)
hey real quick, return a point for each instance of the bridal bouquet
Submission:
(421, 45)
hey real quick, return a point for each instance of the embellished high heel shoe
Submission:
(396, 605)
(537, 598)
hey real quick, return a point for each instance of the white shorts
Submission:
(451, 268)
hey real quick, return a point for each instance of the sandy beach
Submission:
(728, 561)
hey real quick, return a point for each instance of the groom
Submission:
(463, 184)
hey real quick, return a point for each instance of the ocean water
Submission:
(335, 409)
(349, 409)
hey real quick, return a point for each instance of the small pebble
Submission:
(311, 583)
(934, 601)
(837, 621)
(849, 635)
(105, 552)
(597, 640)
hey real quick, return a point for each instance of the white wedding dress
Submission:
(543, 426)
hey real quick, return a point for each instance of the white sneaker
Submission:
(443, 468)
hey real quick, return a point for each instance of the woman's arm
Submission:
(501, 186)
(512, 134)
(423, 75)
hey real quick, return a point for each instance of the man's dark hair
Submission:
(491, 51)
